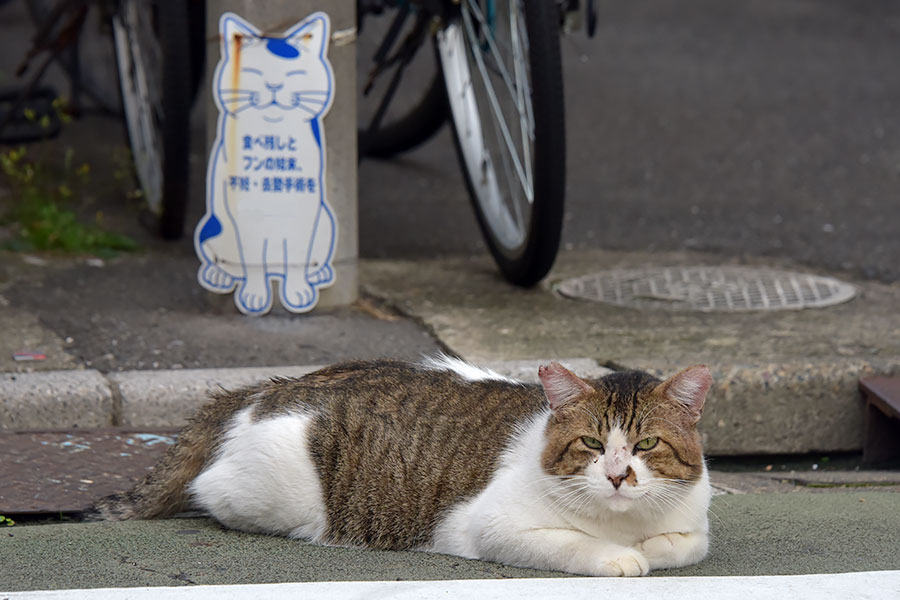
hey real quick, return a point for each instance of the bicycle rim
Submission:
(509, 134)
(140, 63)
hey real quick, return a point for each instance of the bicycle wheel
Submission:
(411, 129)
(413, 114)
(91, 60)
(153, 54)
(502, 70)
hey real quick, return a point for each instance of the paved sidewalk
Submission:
(836, 531)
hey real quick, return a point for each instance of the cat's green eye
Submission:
(646, 443)
(592, 443)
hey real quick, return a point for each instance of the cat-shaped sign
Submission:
(267, 218)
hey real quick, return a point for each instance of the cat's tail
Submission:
(163, 491)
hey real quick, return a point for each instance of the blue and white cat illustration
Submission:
(267, 218)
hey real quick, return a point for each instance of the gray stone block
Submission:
(55, 399)
(169, 398)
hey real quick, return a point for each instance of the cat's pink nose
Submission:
(616, 480)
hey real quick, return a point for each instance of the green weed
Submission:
(41, 213)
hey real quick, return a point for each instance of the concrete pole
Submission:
(275, 16)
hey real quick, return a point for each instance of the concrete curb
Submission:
(52, 399)
(164, 398)
(784, 408)
(759, 402)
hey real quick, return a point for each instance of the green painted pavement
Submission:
(754, 534)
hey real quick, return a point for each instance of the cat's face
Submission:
(278, 76)
(624, 440)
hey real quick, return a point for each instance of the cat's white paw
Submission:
(630, 563)
(660, 545)
(323, 275)
(216, 279)
(674, 549)
(254, 298)
(297, 293)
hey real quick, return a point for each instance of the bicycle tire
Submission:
(99, 85)
(103, 90)
(525, 250)
(412, 129)
(158, 124)
(413, 114)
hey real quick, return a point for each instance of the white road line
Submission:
(845, 586)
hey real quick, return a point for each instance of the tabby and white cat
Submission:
(594, 477)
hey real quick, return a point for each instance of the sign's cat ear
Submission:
(688, 388)
(233, 26)
(309, 36)
(561, 385)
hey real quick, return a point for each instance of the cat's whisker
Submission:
(592, 416)
(567, 491)
(675, 426)
(555, 492)
(311, 111)
(578, 504)
(662, 505)
(309, 104)
(654, 503)
(560, 479)
(568, 498)
(672, 490)
(310, 97)
(677, 504)
(645, 414)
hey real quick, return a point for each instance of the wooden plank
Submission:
(881, 437)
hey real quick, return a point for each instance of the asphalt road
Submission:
(763, 127)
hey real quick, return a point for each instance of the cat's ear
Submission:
(232, 28)
(688, 388)
(310, 35)
(561, 385)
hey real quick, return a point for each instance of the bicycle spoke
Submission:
(495, 52)
(519, 89)
(495, 107)
(509, 177)
(523, 100)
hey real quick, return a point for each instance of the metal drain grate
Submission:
(708, 289)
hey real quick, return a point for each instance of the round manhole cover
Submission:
(708, 289)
